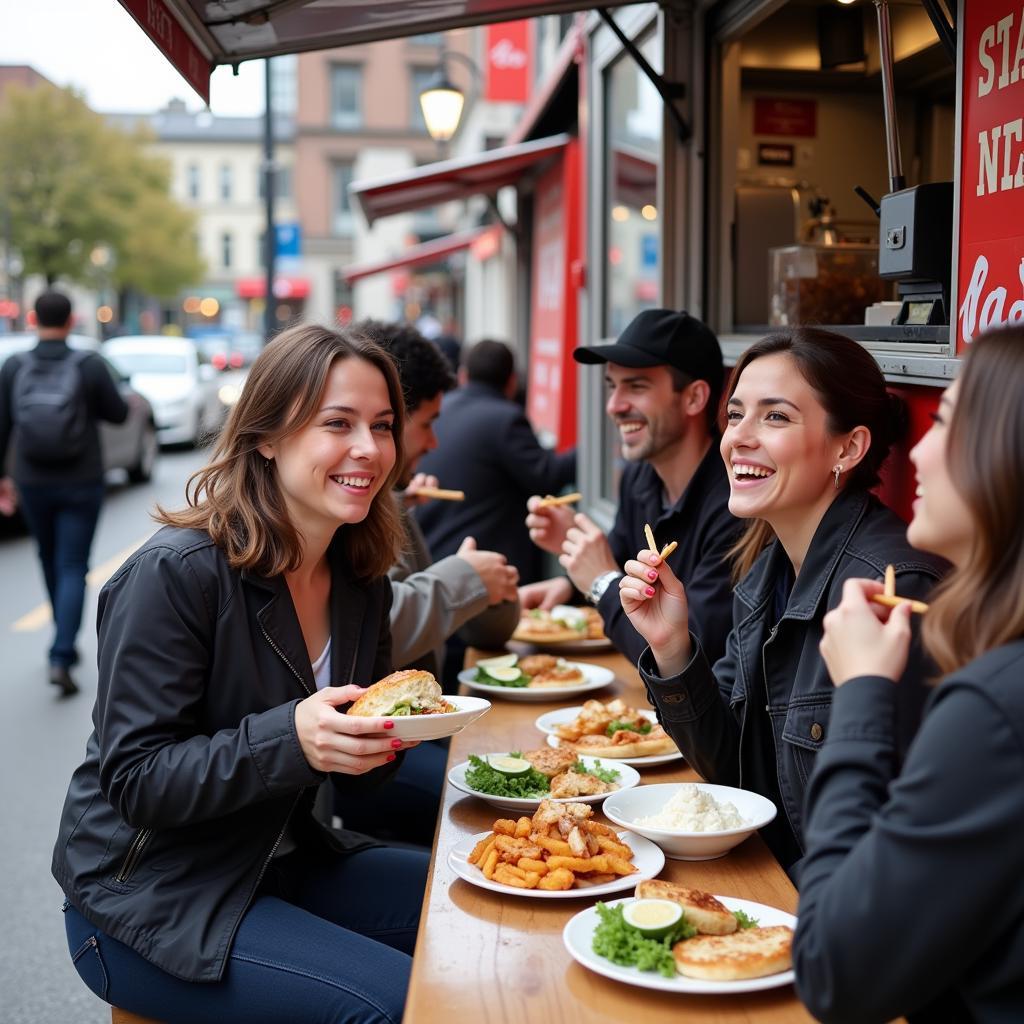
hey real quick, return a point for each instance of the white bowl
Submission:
(625, 806)
(434, 727)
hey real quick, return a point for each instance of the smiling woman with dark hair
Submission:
(199, 884)
(809, 424)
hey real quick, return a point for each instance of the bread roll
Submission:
(414, 687)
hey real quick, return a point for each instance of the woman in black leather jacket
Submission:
(911, 900)
(809, 424)
(199, 885)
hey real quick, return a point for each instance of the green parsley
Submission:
(623, 944)
(745, 920)
(485, 779)
(608, 775)
(619, 726)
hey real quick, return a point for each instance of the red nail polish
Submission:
(397, 744)
(391, 757)
(389, 725)
(650, 591)
(652, 575)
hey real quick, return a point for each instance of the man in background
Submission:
(51, 402)
(664, 377)
(487, 448)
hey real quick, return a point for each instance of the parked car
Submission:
(181, 387)
(130, 446)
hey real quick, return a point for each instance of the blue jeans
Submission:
(62, 518)
(328, 940)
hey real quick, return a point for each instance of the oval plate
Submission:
(595, 677)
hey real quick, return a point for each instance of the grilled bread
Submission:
(702, 910)
(623, 744)
(751, 953)
(551, 761)
(410, 692)
(538, 627)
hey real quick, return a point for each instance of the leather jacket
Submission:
(772, 668)
(194, 770)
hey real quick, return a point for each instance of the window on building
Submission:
(343, 219)
(226, 247)
(225, 179)
(428, 39)
(192, 181)
(419, 79)
(284, 84)
(347, 96)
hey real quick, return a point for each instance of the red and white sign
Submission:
(157, 21)
(508, 62)
(785, 117)
(990, 261)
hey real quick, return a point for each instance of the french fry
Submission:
(652, 544)
(549, 501)
(890, 581)
(668, 549)
(540, 867)
(585, 881)
(620, 866)
(523, 828)
(490, 863)
(504, 827)
(894, 602)
(440, 494)
(559, 847)
(481, 849)
(616, 849)
(506, 874)
(581, 865)
(557, 881)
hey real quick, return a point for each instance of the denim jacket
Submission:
(774, 669)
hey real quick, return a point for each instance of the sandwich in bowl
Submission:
(409, 692)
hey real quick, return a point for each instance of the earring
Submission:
(837, 470)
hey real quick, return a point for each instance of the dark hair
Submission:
(53, 309)
(490, 362)
(851, 389)
(236, 497)
(712, 408)
(421, 366)
(980, 604)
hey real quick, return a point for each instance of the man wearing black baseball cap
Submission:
(665, 379)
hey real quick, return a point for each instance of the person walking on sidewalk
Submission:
(51, 402)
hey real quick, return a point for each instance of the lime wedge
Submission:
(501, 661)
(652, 918)
(504, 675)
(509, 765)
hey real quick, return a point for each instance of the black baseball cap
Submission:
(663, 337)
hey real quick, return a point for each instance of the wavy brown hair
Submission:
(980, 604)
(236, 498)
(851, 389)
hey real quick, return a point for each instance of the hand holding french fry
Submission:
(413, 492)
(548, 524)
(654, 599)
(861, 638)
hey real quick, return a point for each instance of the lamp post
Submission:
(270, 246)
(442, 102)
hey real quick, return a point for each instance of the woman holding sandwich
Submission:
(199, 885)
(808, 425)
(911, 900)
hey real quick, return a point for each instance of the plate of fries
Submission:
(559, 853)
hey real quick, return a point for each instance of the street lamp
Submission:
(442, 102)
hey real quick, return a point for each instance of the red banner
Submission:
(157, 21)
(508, 62)
(990, 273)
(785, 117)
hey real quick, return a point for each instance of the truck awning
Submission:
(480, 174)
(196, 35)
(417, 255)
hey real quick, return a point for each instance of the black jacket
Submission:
(194, 767)
(103, 401)
(911, 899)
(487, 448)
(758, 718)
(700, 522)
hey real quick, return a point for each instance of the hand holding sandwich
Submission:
(655, 602)
(334, 742)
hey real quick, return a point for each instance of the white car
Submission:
(182, 389)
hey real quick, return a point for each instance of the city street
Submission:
(42, 739)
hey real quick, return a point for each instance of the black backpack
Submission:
(49, 408)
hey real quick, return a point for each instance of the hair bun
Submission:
(897, 418)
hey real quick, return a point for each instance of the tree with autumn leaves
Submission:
(71, 186)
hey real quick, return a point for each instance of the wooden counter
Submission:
(485, 957)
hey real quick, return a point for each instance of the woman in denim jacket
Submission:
(911, 903)
(809, 424)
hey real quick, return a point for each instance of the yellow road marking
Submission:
(40, 616)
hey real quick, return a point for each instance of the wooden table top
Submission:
(488, 958)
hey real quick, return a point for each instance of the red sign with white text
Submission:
(508, 62)
(785, 117)
(157, 21)
(990, 271)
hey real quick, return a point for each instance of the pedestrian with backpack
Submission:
(51, 401)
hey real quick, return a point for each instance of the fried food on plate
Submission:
(750, 953)
(550, 761)
(708, 915)
(562, 624)
(614, 729)
(409, 692)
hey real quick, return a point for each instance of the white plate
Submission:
(628, 778)
(578, 937)
(648, 859)
(434, 727)
(595, 678)
(562, 716)
(586, 646)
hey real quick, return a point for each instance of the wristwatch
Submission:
(601, 584)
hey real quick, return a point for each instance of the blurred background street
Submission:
(42, 739)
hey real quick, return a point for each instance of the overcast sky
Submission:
(96, 46)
